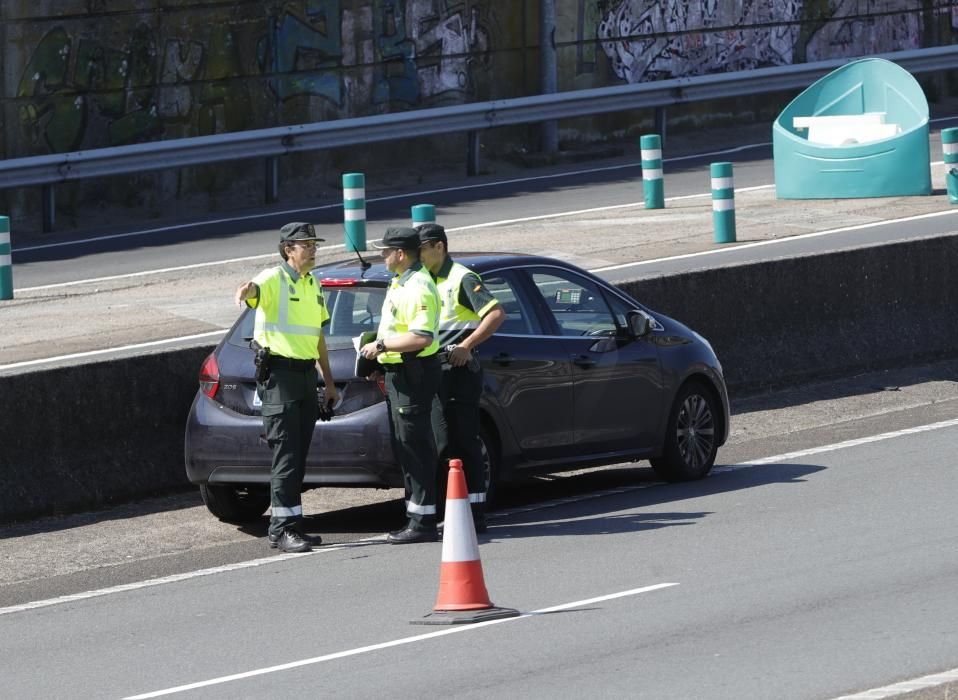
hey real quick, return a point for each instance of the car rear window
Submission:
(352, 310)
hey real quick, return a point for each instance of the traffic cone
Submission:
(463, 597)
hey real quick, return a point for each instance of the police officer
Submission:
(406, 348)
(469, 315)
(290, 314)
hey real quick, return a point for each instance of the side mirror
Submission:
(640, 323)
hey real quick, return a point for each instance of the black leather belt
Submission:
(290, 363)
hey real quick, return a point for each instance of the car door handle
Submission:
(583, 361)
(503, 359)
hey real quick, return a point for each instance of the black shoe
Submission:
(411, 534)
(314, 540)
(292, 541)
(479, 518)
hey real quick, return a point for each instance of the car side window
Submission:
(577, 304)
(520, 319)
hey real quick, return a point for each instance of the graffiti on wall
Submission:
(138, 91)
(79, 91)
(652, 39)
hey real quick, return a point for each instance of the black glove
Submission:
(326, 411)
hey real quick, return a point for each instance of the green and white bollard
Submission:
(723, 203)
(949, 149)
(423, 214)
(354, 211)
(6, 260)
(949, 146)
(652, 184)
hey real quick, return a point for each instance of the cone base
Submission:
(464, 617)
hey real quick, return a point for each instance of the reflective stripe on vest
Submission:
(403, 300)
(454, 318)
(279, 333)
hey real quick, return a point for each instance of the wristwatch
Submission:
(380, 345)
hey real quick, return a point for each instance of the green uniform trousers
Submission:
(455, 422)
(410, 389)
(290, 410)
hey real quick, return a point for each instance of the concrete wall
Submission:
(92, 435)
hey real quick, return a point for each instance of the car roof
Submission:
(351, 269)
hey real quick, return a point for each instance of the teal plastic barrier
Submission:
(860, 131)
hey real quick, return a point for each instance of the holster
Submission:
(261, 360)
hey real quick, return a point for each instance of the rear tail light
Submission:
(381, 383)
(210, 376)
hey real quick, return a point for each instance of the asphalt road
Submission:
(819, 559)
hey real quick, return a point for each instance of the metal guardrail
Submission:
(274, 142)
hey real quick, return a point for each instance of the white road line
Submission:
(774, 241)
(497, 516)
(410, 195)
(455, 629)
(888, 691)
(149, 583)
(106, 351)
(470, 227)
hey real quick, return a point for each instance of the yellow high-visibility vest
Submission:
(290, 313)
(455, 318)
(412, 304)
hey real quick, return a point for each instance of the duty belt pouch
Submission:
(412, 367)
(261, 360)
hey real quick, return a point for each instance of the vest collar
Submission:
(413, 269)
(444, 269)
(293, 275)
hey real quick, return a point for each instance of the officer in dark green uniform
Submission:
(470, 314)
(290, 314)
(406, 347)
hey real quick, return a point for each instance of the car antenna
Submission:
(365, 265)
(362, 263)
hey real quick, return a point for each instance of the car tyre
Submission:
(691, 439)
(235, 503)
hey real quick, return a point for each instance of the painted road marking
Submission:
(498, 515)
(744, 246)
(94, 353)
(424, 193)
(888, 691)
(456, 629)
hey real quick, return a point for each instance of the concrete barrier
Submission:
(93, 435)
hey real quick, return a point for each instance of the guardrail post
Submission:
(652, 184)
(423, 214)
(723, 203)
(48, 206)
(472, 153)
(6, 260)
(272, 179)
(354, 211)
(659, 126)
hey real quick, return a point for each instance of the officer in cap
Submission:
(469, 315)
(288, 338)
(405, 347)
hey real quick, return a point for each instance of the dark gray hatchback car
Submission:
(579, 374)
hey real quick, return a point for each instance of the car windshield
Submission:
(352, 311)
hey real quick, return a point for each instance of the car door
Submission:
(528, 373)
(617, 383)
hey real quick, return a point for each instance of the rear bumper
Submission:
(225, 447)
